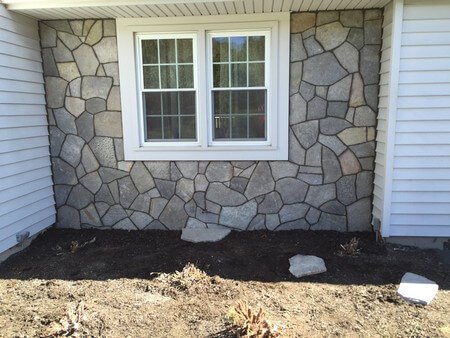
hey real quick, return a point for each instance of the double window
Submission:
(205, 92)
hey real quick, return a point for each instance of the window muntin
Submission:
(168, 91)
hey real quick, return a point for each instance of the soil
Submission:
(126, 284)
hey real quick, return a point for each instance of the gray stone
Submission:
(224, 196)
(371, 95)
(348, 56)
(312, 46)
(247, 173)
(257, 223)
(331, 168)
(118, 145)
(333, 143)
(357, 91)
(48, 63)
(271, 203)
(356, 37)
(87, 24)
(71, 150)
(141, 203)
(314, 155)
(106, 50)
(140, 219)
(68, 70)
(95, 86)
(317, 108)
(293, 212)
(61, 53)
(296, 151)
(318, 195)
(114, 99)
(63, 173)
(297, 109)
(95, 33)
(272, 221)
(89, 215)
(331, 222)
(156, 225)
(352, 136)
(261, 182)
(77, 27)
(333, 207)
(372, 14)
(364, 184)
(104, 195)
(114, 215)
(340, 91)
(337, 109)
(86, 60)
(322, 91)
(92, 182)
(60, 25)
(213, 207)
(331, 35)
(108, 123)
(298, 52)
(206, 217)
(301, 265)
(331, 70)
(175, 173)
(350, 114)
(125, 165)
(109, 174)
(306, 90)
(417, 289)
(68, 217)
(306, 133)
(75, 87)
(165, 188)
(352, 18)
(313, 179)
(359, 215)
(333, 125)
(141, 177)
(70, 40)
(349, 163)
(281, 169)
(48, 35)
(173, 216)
(56, 140)
(199, 198)
(300, 22)
(75, 106)
(157, 205)
(326, 17)
(188, 169)
(112, 70)
(346, 189)
(312, 217)
(103, 149)
(65, 121)
(127, 191)
(372, 32)
(309, 32)
(55, 91)
(295, 73)
(219, 172)
(109, 27)
(201, 183)
(370, 64)
(159, 169)
(185, 189)
(102, 208)
(80, 197)
(194, 235)
(80, 171)
(61, 193)
(364, 116)
(95, 105)
(291, 190)
(239, 184)
(238, 217)
(298, 224)
(194, 223)
(364, 149)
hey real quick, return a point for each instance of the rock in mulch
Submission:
(203, 235)
(301, 265)
(417, 289)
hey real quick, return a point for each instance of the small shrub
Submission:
(350, 248)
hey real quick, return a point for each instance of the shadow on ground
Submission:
(258, 256)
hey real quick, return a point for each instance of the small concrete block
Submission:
(301, 265)
(417, 289)
(195, 235)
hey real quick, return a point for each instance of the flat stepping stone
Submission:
(417, 289)
(303, 265)
(194, 235)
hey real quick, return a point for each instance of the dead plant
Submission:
(189, 277)
(351, 248)
(248, 324)
(71, 324)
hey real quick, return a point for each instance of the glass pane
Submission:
(152, 104)
(256, 48)
(170, 103)
(220, 75)
(221, 103)
(151, 77)
(187, 127)
(238, 48)
(168, 77)
(185, 76)
(187, 103)
(167, 51)
(184, 49)
(239, 102)
(257, 126)
(239, 127)
(257, 101)
(150, 51)
(171, 127)
(220, 49)
(256, 74)
(221, 127)
(154, 128)
(238, 75)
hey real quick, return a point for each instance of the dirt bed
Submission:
(125, 284)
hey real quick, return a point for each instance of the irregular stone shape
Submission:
(109, 174)
(372, 32)
(352, 136)
(194, 235)
(48, 35)
(106, 50)
(257, 223)
(314, 155)
(175, 173)
(55, 91)
(65, 121)
(89, 215)
(239, 184)
(95, 105)
(199, 198)
(300, 22)
(141, 220)
(88, 160)
(63, 173)
(337, 109)
(48, 63)
(357, 91)
(349, 163)
(327, 17)
(298, 52)
(261, 182)
(159, 169)
(238, 217)
(207, 217)
(75, 87)
(59, 25)
(174, 217)
(115, 214)
(372, 14)
(113, 187)
(118, 145)
(348, 57)
(185, 189)
(188, 169)
(364, 149)
(309, 32)
(213, 207)
(352, 18)
(333, 125)
(306, 90)
(302, 265)
(340, 91)
(318, 195)
(56, 140)
(247, 173)
(219, 172)
(141, 177)
(331, 168)
(271, 203)
(224, 196)
(333, 143)
(61, 53)
(114, 99)
(194, 223)
(201, 183)
(356, 37)
(75, 106)
(68, 70)
(370, 64)
(95, 86)
(103, 149)
(95, 33)
(87, 24)
(124, 165)
(127, 191)
(331, 70)
(281, 169)
(77, 27)
(312, 217)
(333, 207)
(61, 194)
(364, 184)
(359, 215)
(291, 190)
(165, 188)
(141, 203)
(80, 171)
(417, 289)
(298, 224)
(102, 208)
(108, 123)
(296, 151)
(86, 60)
(364, 116)
(80, 197)
(68, 217)
(104, 195)
(317, 108)
(293, 212)
(306, 133)
(346, 189)
(297, 109)
(296, 70)
(112, 70)
(71, 150)
(350, 114)
(331, 222)
(331, 35)
(312, 46)
(70, 40)
(313, 179)
(371, 95)
(272, 221)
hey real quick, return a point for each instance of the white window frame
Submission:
(277, 81)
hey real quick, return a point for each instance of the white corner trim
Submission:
(397, 24)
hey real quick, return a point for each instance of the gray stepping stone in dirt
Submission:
(303, 265)
(203, 235)
(417, 289)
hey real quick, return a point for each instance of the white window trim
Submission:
(205, 149)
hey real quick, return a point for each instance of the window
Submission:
(205, 90)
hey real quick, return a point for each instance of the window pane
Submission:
(221, 103)
(170, 103)
(168, 77)
(239, 127)
(221, 128)
(238, 48)
(256, 74)
(187, 103)
(167, 50)
(239, 102)
(149, 51)
(152, 103)
(256, 48)
(185, 76)
(154, 128)
(187, 127)
(238, 75)
(220, 75)
(170, 129)
(257, 126)
(151, 77)
(257, 101)
(220, 49)
(184, 49)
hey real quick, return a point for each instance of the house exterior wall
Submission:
(26, 193)
(325, 185)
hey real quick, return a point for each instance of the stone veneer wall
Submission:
(326, 184)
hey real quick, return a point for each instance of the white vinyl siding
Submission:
(26, 192)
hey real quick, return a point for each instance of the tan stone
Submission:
(371, 133)
(300, 22)
(357, 91)
(75, 106)
(349, 163)
(68, 70)
(352, 136)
